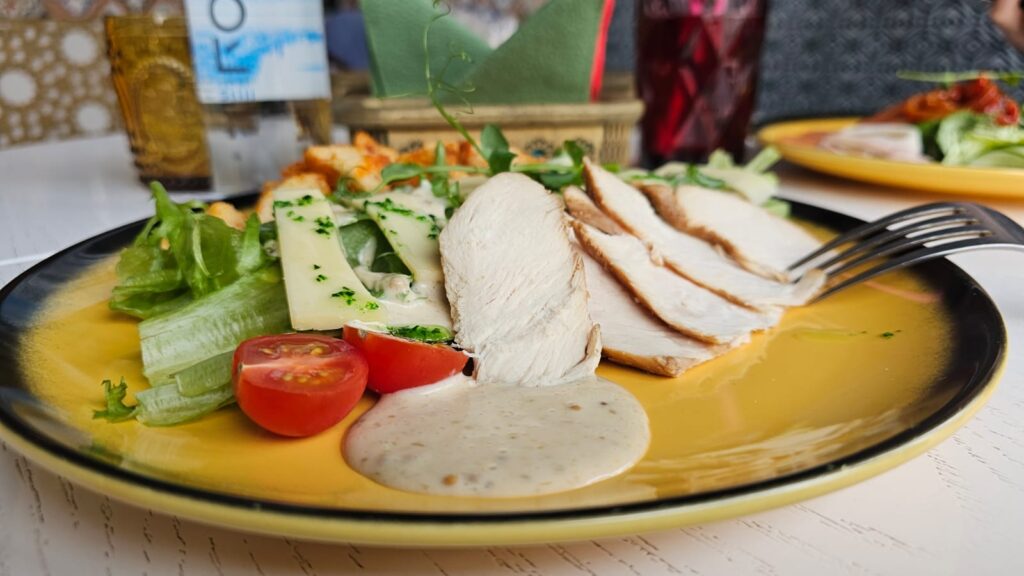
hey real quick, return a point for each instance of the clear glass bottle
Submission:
(262, 78)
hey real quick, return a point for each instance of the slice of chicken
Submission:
(583, 208)
(633, 336)
(690, 256)
(630, 334)
(517, 287)
(760, 241)
(681, 304)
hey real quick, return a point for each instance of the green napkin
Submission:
(548, 60)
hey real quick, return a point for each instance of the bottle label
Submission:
(258, 50)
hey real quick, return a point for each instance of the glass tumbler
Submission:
(697, 69)
(151, 68)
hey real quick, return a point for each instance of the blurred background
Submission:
(820, 57)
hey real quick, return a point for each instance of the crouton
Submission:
(228, 213)
(265, 204)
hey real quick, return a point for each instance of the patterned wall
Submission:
(54, 72)
(841, 56)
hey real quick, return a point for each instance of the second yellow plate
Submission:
(794, 141)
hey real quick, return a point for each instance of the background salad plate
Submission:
(797, 142)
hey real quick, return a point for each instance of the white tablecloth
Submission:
(957, 510)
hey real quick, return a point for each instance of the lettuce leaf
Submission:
(965, 137)
(182, 254)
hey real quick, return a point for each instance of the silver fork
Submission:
(912, 236)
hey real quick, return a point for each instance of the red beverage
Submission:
(697, 64)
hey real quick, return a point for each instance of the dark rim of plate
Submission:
(979, 348)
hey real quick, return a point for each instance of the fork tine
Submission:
(903, 243)
(917, 256)
(872, 227)
(888, 235)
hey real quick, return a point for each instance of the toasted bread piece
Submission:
(369, 146)
(265, 204)
(228, 213)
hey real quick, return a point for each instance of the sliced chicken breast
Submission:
(688, 255)
(633, 336)
(583, 208)
(630, 334)
(517, 287)
(681, 304)
(760, 241)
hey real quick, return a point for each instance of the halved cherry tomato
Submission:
(397, 363)
(298, 384)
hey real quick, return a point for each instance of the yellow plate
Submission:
(796, 141)
(840, 391)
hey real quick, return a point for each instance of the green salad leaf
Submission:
(182, 254)
(366, 245)
(116, 410)
(970, 139)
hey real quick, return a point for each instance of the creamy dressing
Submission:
(460, 438)
(424, 304)
(407, 303)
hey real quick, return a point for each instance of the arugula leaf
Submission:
(440, 154)
(360, 240)
(575, 152)
(182, 254)
(388, 262)
(345, 194)
(366, 245)
(495, 149)
(398, 172)
(250, 252)
(558, 180)
(492, 140)
(695, 176)
(116, 410)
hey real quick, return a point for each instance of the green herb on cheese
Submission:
(422, 333)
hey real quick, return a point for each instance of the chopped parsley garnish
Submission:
(116, 410)
(320, 278)
(316, 266)
(324, 225)
(371, 306)
(888, 335)
(422, 333)
(346, 294)
(305, 200)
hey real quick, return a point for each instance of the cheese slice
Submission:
(412, 233)
(323, 291)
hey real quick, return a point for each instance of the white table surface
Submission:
(959, 509)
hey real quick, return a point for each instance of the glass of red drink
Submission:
(697, 64)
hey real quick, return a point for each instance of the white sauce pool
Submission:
(459, 438)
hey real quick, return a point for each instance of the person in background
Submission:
(1008, 16)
